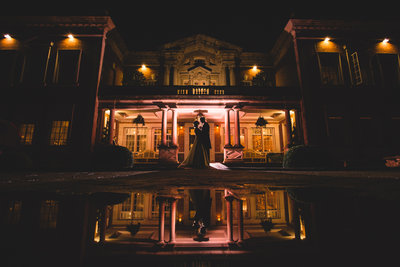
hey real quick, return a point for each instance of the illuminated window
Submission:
(48, 214)
(263, 139)
(157, 138)
(330, 69)
(136, 139)
(67, 67)
(13, 212)
(26, 133)
(59, 133)
(132, 207)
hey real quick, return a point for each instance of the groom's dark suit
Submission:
(205, 137)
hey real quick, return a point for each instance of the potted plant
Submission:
(267, 224)
(133, 228)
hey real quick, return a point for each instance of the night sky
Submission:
(253, 25)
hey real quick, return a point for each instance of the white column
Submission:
(111, 130)
(288, 125)
(172, 222)
(229, 218)
(164, 124)
(174, 127)
(236, 133)
(227, 128)
(161, 220)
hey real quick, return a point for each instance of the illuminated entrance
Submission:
(243, 140)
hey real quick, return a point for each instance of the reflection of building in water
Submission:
(143, 208)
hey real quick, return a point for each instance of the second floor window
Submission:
(67, 67)
(385, 69)
(26, 133)
(330, 69)
(59, 133)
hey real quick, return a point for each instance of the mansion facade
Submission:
(69, 83)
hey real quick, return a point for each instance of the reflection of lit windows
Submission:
(59, 133)
(26, 133)
(268, 205)
(48, 214)
(132, 207)
(14, 212)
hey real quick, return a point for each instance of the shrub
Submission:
(306, 157)
(112, 157)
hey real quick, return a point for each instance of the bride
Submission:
(197, 157)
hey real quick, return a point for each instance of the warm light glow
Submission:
(71, 37)
(385, 41)
(7, 36)
(327, 39)
(218, 217)
(254, 68)
(144, 67)
(180, 219)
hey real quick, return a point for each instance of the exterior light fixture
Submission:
(144, 67)
(385, 41)
(71, 37)
(261, 122)
(7, 36)
(327, 39)
(254, 68)
(139, 120)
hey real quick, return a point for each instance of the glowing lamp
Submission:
(218, 217)
(7, 36)
(71, 37)
(385, 41)
(180, 219)
(144, 67)
(254, 68)
(327, 39)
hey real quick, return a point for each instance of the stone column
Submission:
(232, 75)
(164, 124)
(240, 220)
(296, 219)
(174, 127)
(111, 130)
(227, 128)
(173, 221)
(288, 123)
(229, 218)
(161, 220)
(237, 128)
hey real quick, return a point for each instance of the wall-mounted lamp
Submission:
(7, 36)
(327, 39)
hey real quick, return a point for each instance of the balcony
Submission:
(133, 92)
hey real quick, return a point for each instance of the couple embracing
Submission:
(199, 154)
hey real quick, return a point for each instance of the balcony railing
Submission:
(187, 91)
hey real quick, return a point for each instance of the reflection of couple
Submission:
(199, 154)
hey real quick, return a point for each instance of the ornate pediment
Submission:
(200, 42)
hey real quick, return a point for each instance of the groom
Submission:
(205, 140)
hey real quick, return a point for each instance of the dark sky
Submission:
(253, 25)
